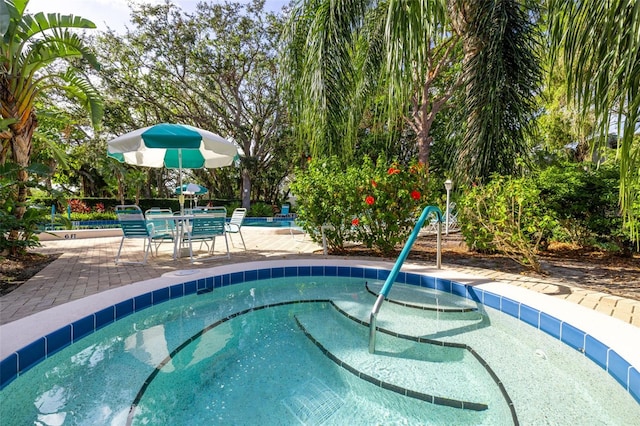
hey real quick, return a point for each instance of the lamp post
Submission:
(447, 185)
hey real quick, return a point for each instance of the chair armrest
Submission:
(228, 227)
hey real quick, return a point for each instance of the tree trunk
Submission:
(246, 189)
(21, 154)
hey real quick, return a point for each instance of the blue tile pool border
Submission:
(24, 359)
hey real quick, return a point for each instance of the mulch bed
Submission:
(14, 271)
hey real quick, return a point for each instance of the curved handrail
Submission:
(396, 268)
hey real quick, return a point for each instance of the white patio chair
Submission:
(235, 225)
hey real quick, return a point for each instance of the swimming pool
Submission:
(250, 337)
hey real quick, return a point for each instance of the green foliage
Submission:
(258, 209)
(390, 199)
(18, 233)
(585, 202)
(375, 204)
(221, 59)
(506, 215)
(325, 196)
(600, 46)
(25, 228)
(79, 217)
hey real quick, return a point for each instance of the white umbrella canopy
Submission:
(174, 146)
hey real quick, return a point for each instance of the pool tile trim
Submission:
(606, 357)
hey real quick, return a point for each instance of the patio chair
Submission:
(432, 227)
(134, 226)
(205, 227)
(285, 212)
(235, 224)
(161, 225)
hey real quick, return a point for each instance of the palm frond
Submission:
(501, 76)
(600, 43)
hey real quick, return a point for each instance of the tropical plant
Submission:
(17, 234)
(342, 54)
(34, 49)
(325, 196)
(600, 45)
(585, 202)
(502, 74)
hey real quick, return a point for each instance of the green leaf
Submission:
(6, 122)
(4, 18)
(81, 88)
(34, 24)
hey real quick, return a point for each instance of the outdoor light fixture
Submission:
(448, 184)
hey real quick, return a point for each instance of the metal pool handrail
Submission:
(396, 268)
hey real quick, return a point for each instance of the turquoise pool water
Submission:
(283, 351)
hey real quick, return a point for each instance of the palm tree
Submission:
(501, 76)
(600, 44)
(33, 51)
(340, 52)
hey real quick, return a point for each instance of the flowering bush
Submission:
(79, 206)
(391, 200)
(375, 204)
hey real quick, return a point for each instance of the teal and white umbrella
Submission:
(191, 189)
(174, 146)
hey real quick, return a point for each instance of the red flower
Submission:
(415, 195)
(369, 200)
(355, 222)
(374, 184)
(393, 171)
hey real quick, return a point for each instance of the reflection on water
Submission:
(149, 346)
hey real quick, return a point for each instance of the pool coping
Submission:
(607, 341)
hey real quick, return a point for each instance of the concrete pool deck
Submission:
(86, 267)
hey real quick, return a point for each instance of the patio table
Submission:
(182, 224)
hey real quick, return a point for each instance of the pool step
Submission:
(444, 375)
(423, 298)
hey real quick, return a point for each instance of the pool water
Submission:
(247, 354)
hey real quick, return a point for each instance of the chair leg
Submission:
(227, 243)
(146, 252)
(190, 247)
(119, 250)
(242, 239)
(146, 247)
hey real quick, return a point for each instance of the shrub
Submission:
(258, 209)
(325, 197)
(16, 235)
(373, 204)
(390, 200)
(79, 206)
(585, 201)
(506, 215)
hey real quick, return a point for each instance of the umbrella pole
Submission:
(181, 196)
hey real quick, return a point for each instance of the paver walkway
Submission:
(86, 266)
